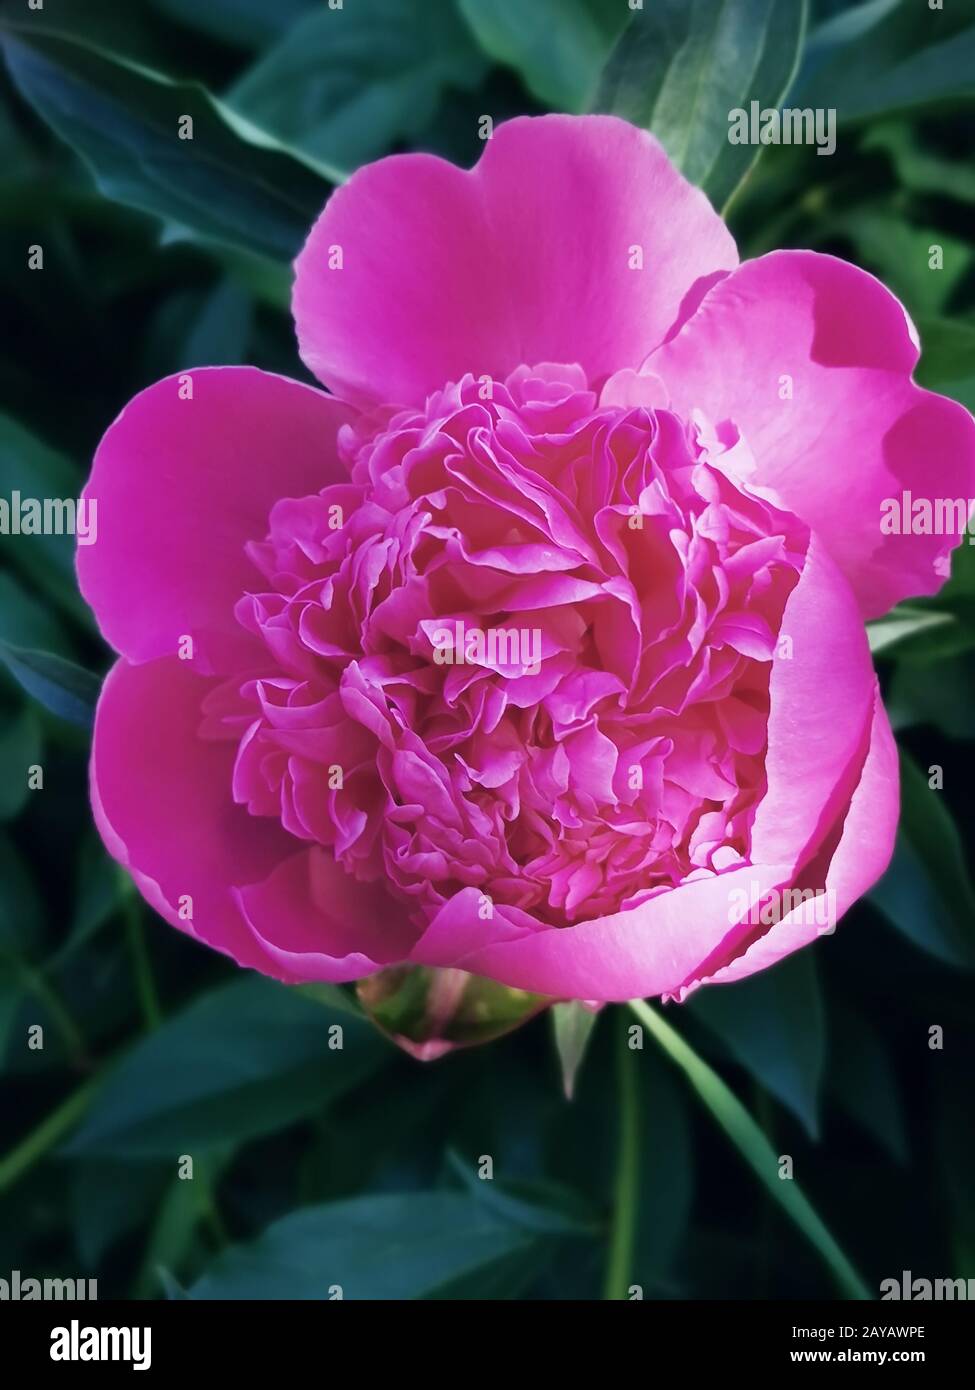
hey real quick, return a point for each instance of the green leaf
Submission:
(107, 1200)
(891, 57)
(558, 47)
(231, 182)
(573, 1025)
(754, 1148)
(30, 467)
(545, 1208)
(666, 1180)
(133, 30)
(247, 23)
(899, 253)
(333, 996)
(173, 1238)
(100, 890)
(39, 1141)
(26, 463)
(927, 892)
(27, 622)
(682, 66)
(221, 330)
(862, 1079)
(773, 1024)
(60, 686)
(948, 358)
(11, 1002)
(919, 167)
(346, 84)
(901, 625)
(855, 18)
(21, 910)
(20, 749)
(945, 702)
(418, 1245)
(955, 1139)
(246, 1060)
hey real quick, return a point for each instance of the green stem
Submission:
(765, 1118)
(187, 1203)
(214, 1220)
(619, 1264)
(144, 983)
(35, 1145)
(754, 1148)
(47, 995)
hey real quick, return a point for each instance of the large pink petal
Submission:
(821, 693)
(526, 258)
(162, 801)
(856, 430)
(648, 950)
(181, 486)
(862, 855)
(319, 923)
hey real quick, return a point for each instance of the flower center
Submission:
(525, 648)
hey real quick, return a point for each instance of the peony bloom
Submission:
(536, 648)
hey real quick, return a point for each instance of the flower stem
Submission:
(36, 1144)
(35, 983)
(142, 969)
(619, 1264)
(753, 1146)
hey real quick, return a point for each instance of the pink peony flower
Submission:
(537, 649)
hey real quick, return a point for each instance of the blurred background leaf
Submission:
(558, 47)
(31, 468)
(243, 1061)
(683, 65)
(347, 84)
(248, 23)
(881, 57)
(228, 180)
(20, 749)
(948, 363)
(927, 892)
(774, 1024)
(441, 1241)
(58, 685)
(862, 1077)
